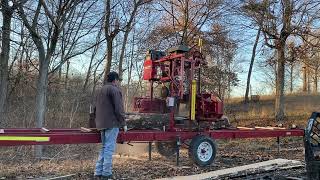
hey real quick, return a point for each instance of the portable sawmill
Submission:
(195, 121)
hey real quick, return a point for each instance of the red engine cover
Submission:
(148, 70)
(208, 107)
(146, 105)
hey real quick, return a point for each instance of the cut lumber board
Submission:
(83, 129)
(267, 165)
(269, 128)
(244, 128)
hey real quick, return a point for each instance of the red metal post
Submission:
(172, 95)
(151, 90)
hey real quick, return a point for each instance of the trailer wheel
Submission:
(202, 150)
(166, 149)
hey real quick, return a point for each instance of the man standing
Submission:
(109, 114)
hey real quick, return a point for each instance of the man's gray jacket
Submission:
(109, 111)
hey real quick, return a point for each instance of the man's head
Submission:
(113, 77)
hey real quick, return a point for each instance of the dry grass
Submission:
(46, 168)
(298, 107)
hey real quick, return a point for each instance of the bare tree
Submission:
(182, 22)
(280, 20)
(128, 27)
(80, 26)
(292, 59)
(92, 57)
(188, 17)
(246, 97)
(7, 11)
(112, 28)
(311, 61)
(305, 83)
(57, 14)
(220, 75)
(81, 34)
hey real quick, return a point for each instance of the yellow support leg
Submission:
(193, 99)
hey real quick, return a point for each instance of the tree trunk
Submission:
(109, 37)
(42, 84)
(125, 39)
(308, 80)
(67, 75)
(130, 71)
(291, 78)
(94, 53)
(279, 104)
(59, 74)
(94, 85)
(86, 81)
(304, 86)
(128, 84)
(4, 57)
(315, 83)
(246, 97)
(41, 96)
(109, 59)
(184, 39)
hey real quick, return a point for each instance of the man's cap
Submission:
(113, 76)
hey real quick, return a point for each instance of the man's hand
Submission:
(124, 128)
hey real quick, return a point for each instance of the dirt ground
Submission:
(79, 160)
(230, 153)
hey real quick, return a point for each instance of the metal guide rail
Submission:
(43, 136)
(202, 147)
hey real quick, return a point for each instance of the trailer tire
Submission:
(202, 150)
(166, 149)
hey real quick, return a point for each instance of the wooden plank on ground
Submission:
(64, 177)
(267, 165)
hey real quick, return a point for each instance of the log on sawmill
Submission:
(158, 121)
(140, 121)
(147, 121)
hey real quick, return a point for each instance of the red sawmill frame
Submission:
(14, 137)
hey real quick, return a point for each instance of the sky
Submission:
(244, 38)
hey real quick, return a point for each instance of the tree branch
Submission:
(48, 13)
